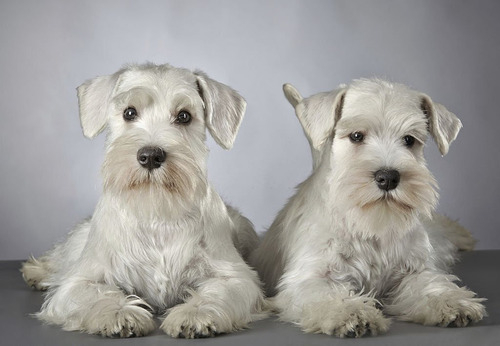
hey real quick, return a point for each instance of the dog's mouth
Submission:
(389, 200)
(171, 177)
(150, 179)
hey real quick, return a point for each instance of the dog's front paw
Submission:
(350, 317)
(109, 319)
(188, 321)
(454, 309)
(35, 273)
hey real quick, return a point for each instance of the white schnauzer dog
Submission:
(161, 240)
(360, 238)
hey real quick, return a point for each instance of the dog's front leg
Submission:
(96, 308)
(319, 305)
(221, 304)
(432, 298)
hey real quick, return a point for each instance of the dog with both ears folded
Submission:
(161, 240)
(360, 239)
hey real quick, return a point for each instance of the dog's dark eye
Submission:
(409, 141)
(356, 137)
(130, 114)
(183, 118)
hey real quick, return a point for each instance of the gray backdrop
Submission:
(49, 173)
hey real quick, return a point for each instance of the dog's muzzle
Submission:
(387, 179)
(151, 157)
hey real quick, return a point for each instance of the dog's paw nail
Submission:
(202, 335)
(350, 334)
(452, 324)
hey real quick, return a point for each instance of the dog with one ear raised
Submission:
(161, 240)
(359, 241)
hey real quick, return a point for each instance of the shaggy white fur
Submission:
(161, 240)
(360, 237)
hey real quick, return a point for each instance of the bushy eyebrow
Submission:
(356, 122)
(138, 96)
(184, 100)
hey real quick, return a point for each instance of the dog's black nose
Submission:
(387, 179)
(151, 157)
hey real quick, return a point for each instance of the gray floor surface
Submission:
(479, 270)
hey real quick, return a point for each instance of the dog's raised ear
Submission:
(292, 94)
(317, 114)
(93, 98)
(443, 124)
(224, 109)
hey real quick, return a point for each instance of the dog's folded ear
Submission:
(317, 114)
(443, 124)
(224, 109)
(93, 99)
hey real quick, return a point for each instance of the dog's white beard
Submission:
(371, 212)
(169, 191)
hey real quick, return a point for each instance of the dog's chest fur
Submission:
(375, 265)
(159, 262)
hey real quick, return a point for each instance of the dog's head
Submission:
(371, 134)
(156, 116)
